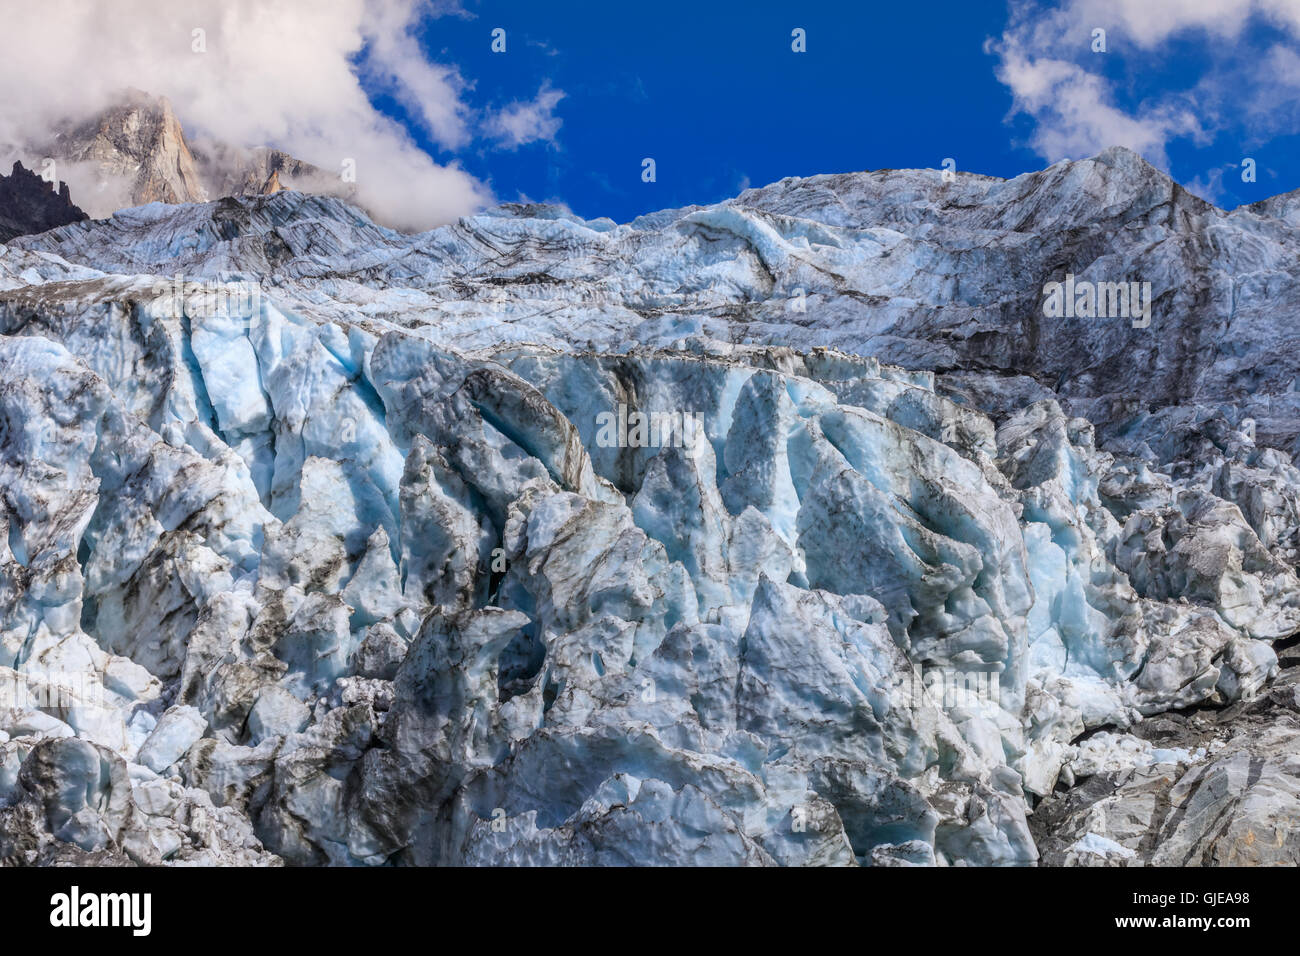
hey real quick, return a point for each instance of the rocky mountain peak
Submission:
(139, 140)
(136, 151)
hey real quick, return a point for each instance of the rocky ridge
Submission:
(29, 204)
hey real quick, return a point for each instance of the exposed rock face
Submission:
(1209, 788)
(536, 540)
(137, 152)
(260, 172)
(29, 205)
(139, 141)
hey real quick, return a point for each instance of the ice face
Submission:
(413, 557)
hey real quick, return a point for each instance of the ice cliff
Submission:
(336, 562)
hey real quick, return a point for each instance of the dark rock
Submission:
(29, 205)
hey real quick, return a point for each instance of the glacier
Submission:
(344, 572)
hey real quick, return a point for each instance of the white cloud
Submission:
(1149, 23)
(280, 74)
(527, 122)
(1046, 61)
(1076, 116)
(394, 63)
(1209, 187)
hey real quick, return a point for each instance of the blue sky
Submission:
(713, 92)
(410, 95)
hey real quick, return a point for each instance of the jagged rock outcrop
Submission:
(29, 204)
(537, 540)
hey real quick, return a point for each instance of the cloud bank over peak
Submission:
(292, 75)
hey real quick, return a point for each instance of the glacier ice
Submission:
(347, 574)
